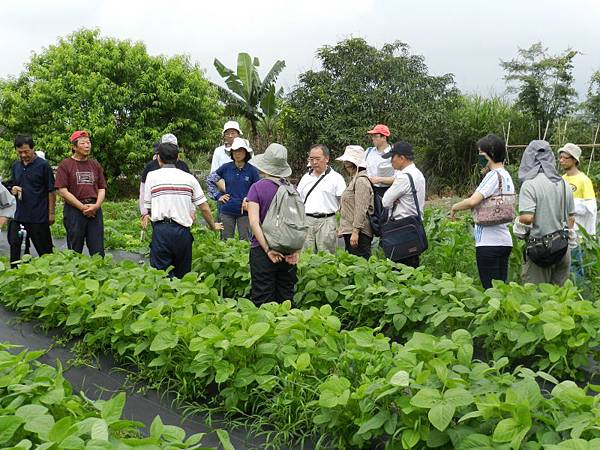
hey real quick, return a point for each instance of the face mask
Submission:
(483, 161)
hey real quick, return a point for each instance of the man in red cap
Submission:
(80, 182)
(379, 169)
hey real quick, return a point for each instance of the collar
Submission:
(327, 170)
(168, 166)
(405, 170)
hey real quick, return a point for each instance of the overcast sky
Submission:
(463, 37)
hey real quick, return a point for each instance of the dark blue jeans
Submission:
(84, 230)
(171, 246)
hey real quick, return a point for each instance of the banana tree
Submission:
(248, 95)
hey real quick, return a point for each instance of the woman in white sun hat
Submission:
(356, 204)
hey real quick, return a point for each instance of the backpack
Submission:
(380, 214)
(285, 226)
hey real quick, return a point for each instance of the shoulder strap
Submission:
(318, 181)
(499, 181)
(414, 193)
(564, 183)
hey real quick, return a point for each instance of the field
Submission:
(367, 354)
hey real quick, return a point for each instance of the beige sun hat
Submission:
(232, 125)
(354, 154)
(571, 149)
(273, 161)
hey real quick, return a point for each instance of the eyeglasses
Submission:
(565, 156)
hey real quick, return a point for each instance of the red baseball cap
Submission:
(77, 134)
(380, 129)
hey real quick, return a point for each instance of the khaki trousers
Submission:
(321, 236)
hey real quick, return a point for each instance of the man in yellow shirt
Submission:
(584, 196)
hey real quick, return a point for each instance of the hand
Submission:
(375, 180)
(274, 256)
(17, 191)
(145, 220)
(244, 205)
(218, 226)
(354, 239)
(51, 218)
(90, 210)
(452, 212)
(291, 259)
(224, 198)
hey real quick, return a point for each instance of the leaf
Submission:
(400, 378)
(303, 361)
(426, 398)
(164, 340)
(99, 430)
(112, 409)
(440, 415)
(410, 438)
(8, 427)
(506, 430)
(458, 397)
(374, 423)
(551, 330)
(225, 440)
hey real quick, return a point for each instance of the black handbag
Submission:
(406, 237)
(549, 249)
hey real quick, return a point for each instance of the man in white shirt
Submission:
(171, 197)
(231, 130)
(321, 189)
(400, 194)
(379, 169)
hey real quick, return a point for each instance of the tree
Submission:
(359, 86)
(248, 96)
(592, 104)
(114, 89)
(543, 82)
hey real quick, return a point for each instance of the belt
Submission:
(88, 201)
(167, 220)
(320, 215)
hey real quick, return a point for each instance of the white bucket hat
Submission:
(273, 161)
(232, 125)
(571, 149)
(354, 154)
(238, 143)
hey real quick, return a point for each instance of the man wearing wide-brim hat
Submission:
(273, 275)
(231, 130)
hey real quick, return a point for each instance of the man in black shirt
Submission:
(153, 165)
(32, 183)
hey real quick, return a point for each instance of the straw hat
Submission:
(354, 154)
(273, 161)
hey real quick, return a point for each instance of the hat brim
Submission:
(259, 162)
(229, 150)
(362, 164)
(568, 153)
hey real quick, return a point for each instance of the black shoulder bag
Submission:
(548, 250)
(406, 237)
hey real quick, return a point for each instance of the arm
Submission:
(467, 203)
(382, 180)
(70, 199)
(207, 214)
(143, 209)
(396, 190)
(51, 207)
(254, 219)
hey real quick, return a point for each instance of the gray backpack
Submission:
(285, 226)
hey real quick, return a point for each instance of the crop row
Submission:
(297, 373)
(39, 410)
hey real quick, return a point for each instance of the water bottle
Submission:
(22, 233)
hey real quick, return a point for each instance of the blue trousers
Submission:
(171, 246)
(81, 229)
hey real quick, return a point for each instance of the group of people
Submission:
(552, 212)
(383, 184)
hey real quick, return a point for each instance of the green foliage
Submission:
(38, 409)
(544, 83)
(248, 95)
(592, 103)
(359, 86)
(114, 89)
(454, 162)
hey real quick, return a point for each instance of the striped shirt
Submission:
(171, 193)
